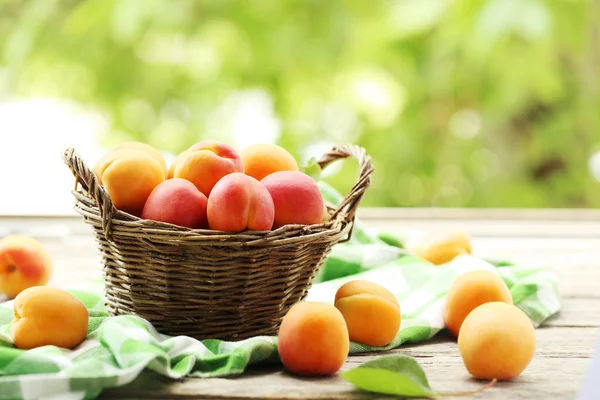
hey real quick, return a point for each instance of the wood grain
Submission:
(545, 378)
(567, 241)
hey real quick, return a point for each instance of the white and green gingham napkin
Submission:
(118, 349)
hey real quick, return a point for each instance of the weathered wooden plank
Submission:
(577, 312)
(493, 229)
(545, 378)
(551, 342)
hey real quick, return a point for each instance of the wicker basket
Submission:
(204, 283)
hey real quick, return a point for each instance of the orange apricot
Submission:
(24, 262)
(441, 248)
(372, 312)
(130, 178)
(114, 153)
(180, 157)
(48, 316)
(263, 159)
(313, 339)
(470, 290)
(205, 163)
(497, 340)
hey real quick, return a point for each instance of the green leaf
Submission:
(396, 375)
(312, 169)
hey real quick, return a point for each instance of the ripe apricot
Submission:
(181, 156)
(469, 291)
(372, 312)
(24, 262)
(263, 159)
(441, 248)
(238, 202)
(205, 163)
(296, 197)
(147, 149)
(313, 339)
(113, 153)
(497, 340)
(48, 316)
(129, 178)
(177, 201)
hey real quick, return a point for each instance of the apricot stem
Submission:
(12, 268)
(481, 389)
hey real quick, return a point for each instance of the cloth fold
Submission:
(118, 349)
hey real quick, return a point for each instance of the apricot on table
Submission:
(440, 247)
(238, 202)
(129, 178)
(497, 340)
(48, 316)
(372, 312)
(205, 163)
(177, 201)
(296, 197)
(470, 290)
(263, 159)
(113, 153)
(24, 262)
(313, 339)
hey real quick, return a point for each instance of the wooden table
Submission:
(568, 241)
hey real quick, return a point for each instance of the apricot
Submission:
(129, 178)
(113, 153)
(48, 316)
(441, 248)
(372, 312)
(178, 202)
(145, 148)
(470, 290)
(261, 160)
(239, 202)
(181, 156)
(296, 196)
(313, 339)
(497, 340)
(24, 262)
(205, 163)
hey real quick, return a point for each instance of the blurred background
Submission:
(464, 103)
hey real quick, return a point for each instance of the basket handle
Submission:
(89, 181)
(352, 199)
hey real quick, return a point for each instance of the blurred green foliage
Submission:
(474, 103)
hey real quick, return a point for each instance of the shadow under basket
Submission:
(209, 284)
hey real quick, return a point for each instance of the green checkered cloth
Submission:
(118, 349)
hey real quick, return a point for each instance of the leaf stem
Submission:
(481, 389)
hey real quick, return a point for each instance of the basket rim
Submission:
(94, 204)
(332, 229)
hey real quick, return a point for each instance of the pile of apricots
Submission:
(314, 337)
(496, 339)
(212, 186)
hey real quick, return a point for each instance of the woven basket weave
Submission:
(204, 283)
